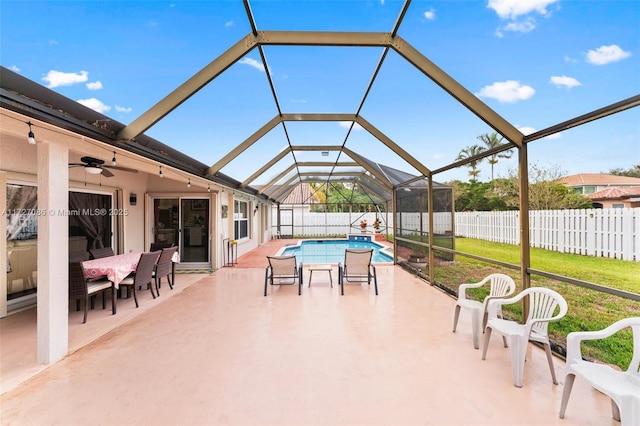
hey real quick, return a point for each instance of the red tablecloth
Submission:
(116, 268)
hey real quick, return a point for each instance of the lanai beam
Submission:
(244, 145)
(276, 179)
(188, 88)
(266, 167)
(459, 92)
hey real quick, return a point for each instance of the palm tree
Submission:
(468, 152)
(493, 141)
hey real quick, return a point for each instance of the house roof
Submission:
(599, 179)
(615, 193)
(300, 194)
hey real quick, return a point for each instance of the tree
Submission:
(469, 152)
(493, 141)
(545, 191)
(631, 172)
(477, 196)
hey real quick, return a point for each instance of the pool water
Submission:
(332, 251)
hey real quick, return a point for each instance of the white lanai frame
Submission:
(390, 40)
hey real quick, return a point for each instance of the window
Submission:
(617, 206)
(240, 219)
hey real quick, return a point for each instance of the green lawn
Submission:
(588, 309)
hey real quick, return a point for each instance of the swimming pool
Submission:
(332, 251)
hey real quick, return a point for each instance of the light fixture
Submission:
(208, 188)
(113, 160)
(92, 170)
(161, 172)
(189, 183)
(31, 136)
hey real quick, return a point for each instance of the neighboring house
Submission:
(616, 197)
(604, 190)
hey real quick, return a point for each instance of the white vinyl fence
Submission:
(613, 233)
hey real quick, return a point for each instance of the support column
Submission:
(3, 246)
(53, 249)
(525, 248)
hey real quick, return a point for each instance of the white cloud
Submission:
(14, 68)
(606, 54)
(430, 14)
(94, 104)
(529, 130)
(228, 24)
(525, 26)
(509, 91)
(347, 124)
(569, 60)
(123, 109)
(299, 101)
(252, 63)
(96, 85)
(53, 42)
(58, 78)
(511, 9)
(564, 81)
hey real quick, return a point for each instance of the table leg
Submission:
(310, 275)
(114, 297)
(330, 278)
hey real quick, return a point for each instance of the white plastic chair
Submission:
(500, 286)
(542, 305)
(623, 387)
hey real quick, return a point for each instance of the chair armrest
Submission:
(574, 353)
(494, 306)
(462, 289)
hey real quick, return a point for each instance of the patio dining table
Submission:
(115, 268)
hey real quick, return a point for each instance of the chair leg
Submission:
(104, 302)
(568, 384)
(615, 411)
(475, 327)
(135, 298)
(375, 282)
(169, 281)
(86, 305)
(152, 284)
(547, 349)
(518, 355)
(456, 315)
(487, 337)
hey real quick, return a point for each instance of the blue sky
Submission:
(535, 62)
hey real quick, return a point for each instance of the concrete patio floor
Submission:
(218, 352)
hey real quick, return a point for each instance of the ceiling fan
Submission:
(96, 166)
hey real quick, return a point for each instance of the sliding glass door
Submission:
(183, 222)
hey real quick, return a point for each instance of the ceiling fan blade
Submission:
(106, 173)
(124, 169)
(76, 164)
